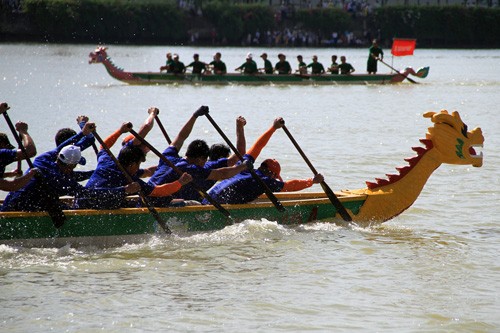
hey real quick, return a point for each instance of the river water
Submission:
(432, 269)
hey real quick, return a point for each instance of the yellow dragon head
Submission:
(451, 139)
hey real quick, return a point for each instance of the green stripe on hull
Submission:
(159, 78)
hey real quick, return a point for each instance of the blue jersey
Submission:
(33, 197)
(211, 165)
(164, 175)
(243, 187)
(7, 156)
(108, 175)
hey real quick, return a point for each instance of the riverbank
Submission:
(216, 24)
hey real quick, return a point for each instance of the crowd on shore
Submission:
(203, 175)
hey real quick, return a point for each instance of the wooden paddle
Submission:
(201, 191)
(394, 69)
(266, 188)
(160, 125)
(328, 191)
(54, 207)
(143, 197)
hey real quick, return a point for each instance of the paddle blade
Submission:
(336, 202)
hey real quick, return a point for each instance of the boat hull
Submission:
(114, 227)
(327, 79)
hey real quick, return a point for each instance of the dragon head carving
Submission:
(453, 141)
(98, 56)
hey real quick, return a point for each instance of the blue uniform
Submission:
(164, 174)
(243, 188)
(33, 197)
(7, 156)
(108, 175)
(211, 165)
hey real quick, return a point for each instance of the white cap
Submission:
(71, 155)
(249, 55)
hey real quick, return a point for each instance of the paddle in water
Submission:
(54, 207)
(328, 191)
(143, 197)
(266, 188)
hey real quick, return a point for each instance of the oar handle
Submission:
(266, 188)
(125, 173)
(202, 192)
(160, 125)
(328, 191)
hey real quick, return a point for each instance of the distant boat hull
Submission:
(259, 79)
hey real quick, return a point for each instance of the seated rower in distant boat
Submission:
(168, 64)
(10, 154)
(132, 154)
(249, 67)
(57, 169)
(243, 188)
(199, 67)
(282, 66)
(219, 67)
(268, 66)
(334, 67)
(316, 67)
(302, 67)
(345, 68)
(178, 66)
(193, 163)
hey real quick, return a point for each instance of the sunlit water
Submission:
(432, 269)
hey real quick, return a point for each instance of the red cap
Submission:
(273, 166)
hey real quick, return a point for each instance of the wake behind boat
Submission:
(150, 78)
(447, 141)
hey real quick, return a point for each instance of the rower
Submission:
(249, 67)
(243, 188)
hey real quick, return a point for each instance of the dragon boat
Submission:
(447, 141)
(152, 78)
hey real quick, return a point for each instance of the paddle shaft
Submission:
(201, 191)
(266, 188)
(125, 173)
(394, 69)
(333, 198)
(160, 125)
(54, 208)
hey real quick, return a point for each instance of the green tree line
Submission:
(162, 22)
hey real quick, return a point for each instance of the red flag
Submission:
(403, 47)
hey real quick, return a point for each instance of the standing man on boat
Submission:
(282, 66)
(168, 63)
(375, 53)
(249, 67)
(8, 153)
(316, 67)
(268, 67)
(219, 67)
(199, 67)
(243, 188)
(345, 67)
